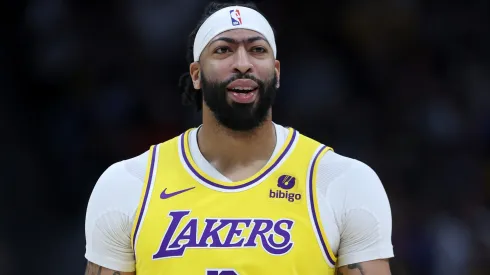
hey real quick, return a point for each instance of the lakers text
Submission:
(274, 236)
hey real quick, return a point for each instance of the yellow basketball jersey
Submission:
(189, 223)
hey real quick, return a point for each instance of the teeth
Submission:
(242, 89)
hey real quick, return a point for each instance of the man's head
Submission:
(233, 69)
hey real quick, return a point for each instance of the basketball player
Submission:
(238, 195)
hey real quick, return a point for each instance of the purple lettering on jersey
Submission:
(164, 252)
(268, 241)
(221, 272)
(188, 234)
(211, 232)
(259, 231)
(175, 242)
(286, 244)
(235, 231)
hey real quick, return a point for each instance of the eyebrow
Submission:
(234, 41)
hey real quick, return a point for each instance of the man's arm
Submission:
(355, 200)
(110, 215)
(93, 269)
(376, 267)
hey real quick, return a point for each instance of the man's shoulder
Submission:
(350, 163)
(346, 170)
(175, 139)
(135, 166)
(333, 159)
(130, 169)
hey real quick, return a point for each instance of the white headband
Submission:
(230, 18)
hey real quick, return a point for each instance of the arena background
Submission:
(403, 86)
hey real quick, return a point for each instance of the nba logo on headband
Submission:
(236, 19)
(218, 23)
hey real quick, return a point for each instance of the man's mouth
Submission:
(243, 90)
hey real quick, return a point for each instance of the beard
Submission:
(239, 116)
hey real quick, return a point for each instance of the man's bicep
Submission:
(94, 269)
(109, 219)
(365, 216)
(376, 267)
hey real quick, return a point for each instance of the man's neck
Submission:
(226, 149)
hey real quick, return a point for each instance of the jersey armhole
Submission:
(313, 206)
(150, 170)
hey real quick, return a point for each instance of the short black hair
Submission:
(189, 95)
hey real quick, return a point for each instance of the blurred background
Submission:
(403, 86)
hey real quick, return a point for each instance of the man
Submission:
(239, 194)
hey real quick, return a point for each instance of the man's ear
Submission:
(277, 69)
(195, 73)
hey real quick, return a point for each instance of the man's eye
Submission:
(222, 50)
(259, 50)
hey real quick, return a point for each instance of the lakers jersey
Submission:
(189, 223)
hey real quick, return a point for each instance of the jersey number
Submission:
(221, 272)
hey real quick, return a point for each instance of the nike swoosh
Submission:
(164, 195)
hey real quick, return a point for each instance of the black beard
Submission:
(239, 116)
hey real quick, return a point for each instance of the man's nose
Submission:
(243, 63)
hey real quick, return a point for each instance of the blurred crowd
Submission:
(403, 86)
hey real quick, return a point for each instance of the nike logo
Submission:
(164, 195)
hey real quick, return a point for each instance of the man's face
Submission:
(238, 76)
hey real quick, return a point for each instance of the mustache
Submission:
(244, 76)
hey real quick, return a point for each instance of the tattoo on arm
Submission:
(356, 266)
(93, 269)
